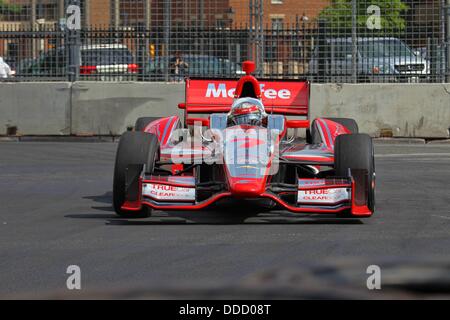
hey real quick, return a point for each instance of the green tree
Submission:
(8, 8)
(339, 15)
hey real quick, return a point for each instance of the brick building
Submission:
(205, 13)
(186, 17)
(276, 12)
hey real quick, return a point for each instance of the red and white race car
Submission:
(240, 140)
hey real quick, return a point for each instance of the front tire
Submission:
(355, 151)
(137, 148)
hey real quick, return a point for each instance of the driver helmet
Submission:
(248, 111)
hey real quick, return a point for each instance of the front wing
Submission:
(332, 195)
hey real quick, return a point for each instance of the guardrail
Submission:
(109, 109)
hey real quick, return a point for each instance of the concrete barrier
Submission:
(407, 110)
(102, 108)
(35, 108)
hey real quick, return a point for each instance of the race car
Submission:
(241, 141)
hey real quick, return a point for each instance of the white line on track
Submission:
(442, 217)
(412, 155)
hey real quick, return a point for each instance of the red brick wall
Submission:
(100, 12)
(289, 9)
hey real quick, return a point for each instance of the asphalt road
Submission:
(55, 211)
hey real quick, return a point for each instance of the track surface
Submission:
(56, 211)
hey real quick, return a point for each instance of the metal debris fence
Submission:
(348, 41)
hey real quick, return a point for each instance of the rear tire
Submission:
(134, 148)
(350, 124)
(355, 151)
(143, 122)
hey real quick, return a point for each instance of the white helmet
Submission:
(247, 111)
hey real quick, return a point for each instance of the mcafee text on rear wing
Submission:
(203, 96)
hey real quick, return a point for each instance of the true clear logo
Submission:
(221, 91)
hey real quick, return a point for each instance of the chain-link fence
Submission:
(166, 40)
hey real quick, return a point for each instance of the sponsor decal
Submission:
(165, 192)
(324, 196)
(221, 92)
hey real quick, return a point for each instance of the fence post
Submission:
(260, 45)
(448, 41)
(354, 42)
(167, 23)
(321, 47)
(73, 24)
(435, 59)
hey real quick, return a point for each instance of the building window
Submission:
(15, 12)
(277, 23)
(21, 11)
(48, 11)
(276, 1)
(132, 12)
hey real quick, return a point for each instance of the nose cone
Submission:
(247, 188)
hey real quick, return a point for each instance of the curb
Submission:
(399, 141)
(9, 139)
(92, 139)
(446, 141)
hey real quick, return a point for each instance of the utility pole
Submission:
(116, 14)
(148, 13)
(61, 9)
(33, 12)
(87, 13)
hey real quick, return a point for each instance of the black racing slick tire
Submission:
(135, 148)
(346, 122)
(143, 122)
(355, 151)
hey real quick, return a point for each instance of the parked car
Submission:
(198, 66)
(105, 62)
(12, 64)
(377, 60)
(108, 62)
(422, 52)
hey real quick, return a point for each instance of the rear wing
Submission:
(286, 97)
